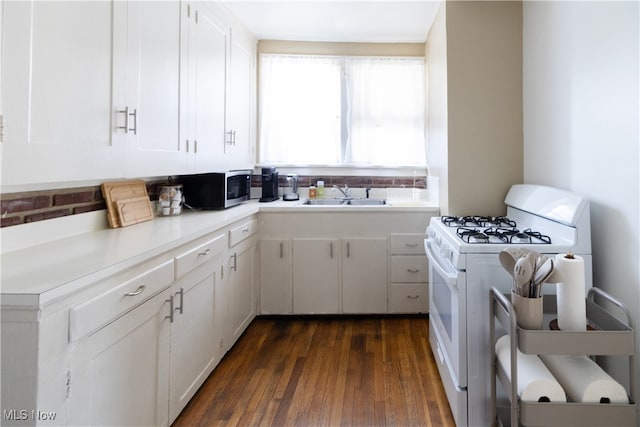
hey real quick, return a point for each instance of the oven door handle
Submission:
(451, 278)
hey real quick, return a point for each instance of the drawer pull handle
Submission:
(246, 229)
(205, 253)
(281, 250)
(413, 296)
(136, 292)
(412, 245)
(171, 310)
(181, 292)
(413, 270)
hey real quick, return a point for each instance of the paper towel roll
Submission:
(584, 381)
(572, 310)
(535, 381)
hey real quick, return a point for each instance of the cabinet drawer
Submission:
(241, 232)
(409, 269)
(408, 298)
(407, 244)
(199, 254)
(91, 315)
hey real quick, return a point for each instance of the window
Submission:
(328, 110)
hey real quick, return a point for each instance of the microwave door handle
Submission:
(451, 278)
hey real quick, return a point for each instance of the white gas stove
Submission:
(464, 265)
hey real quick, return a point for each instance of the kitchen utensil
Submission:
(543, 272)
(507, 261)
(522, 273)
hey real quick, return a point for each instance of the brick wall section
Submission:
(352, 181)
(20, 208)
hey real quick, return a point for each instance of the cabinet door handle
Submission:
(205, 253)
(135, 121)
(125, 128)
(136, 292)
(235, 262)
(181, 293)
(413, 270)
(170, 316)
(195, 146)
(348, 249)
(331, 250)
(281, 250)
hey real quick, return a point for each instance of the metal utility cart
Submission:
(609, 337)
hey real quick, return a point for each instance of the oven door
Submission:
(447, 313)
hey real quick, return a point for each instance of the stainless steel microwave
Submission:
(216, 190)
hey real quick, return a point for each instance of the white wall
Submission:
(474, 52)
(437, 151)
(581, 115)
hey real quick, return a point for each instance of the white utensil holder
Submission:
(528, 311)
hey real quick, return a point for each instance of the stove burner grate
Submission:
(477, 221)
(501, 235)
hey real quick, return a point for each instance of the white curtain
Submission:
(386, 115)
(321, 110)
(300, 105)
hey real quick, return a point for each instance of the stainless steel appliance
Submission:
(464, 266)
(291, 189)
(217, 190)
(269, 185)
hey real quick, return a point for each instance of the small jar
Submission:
(312, 192)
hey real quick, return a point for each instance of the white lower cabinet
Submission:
(316, 285)
(118, 375)
(364, 275)
(276, 294)
(409, 288)
(242, 278)
(351, 262)
(195, 334)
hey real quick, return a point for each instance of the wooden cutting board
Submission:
(133, 211)
(137, 207)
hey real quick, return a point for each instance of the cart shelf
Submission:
(608, 336)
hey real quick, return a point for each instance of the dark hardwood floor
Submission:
(325, 371)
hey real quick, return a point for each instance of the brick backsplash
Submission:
(352, 181)
(20, 208)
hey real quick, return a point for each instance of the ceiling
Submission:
(336, 20)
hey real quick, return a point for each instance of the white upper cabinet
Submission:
(220, 105)
(111, 89)
(152, 106)
(240, 135)
(63, 66)
(206, 51)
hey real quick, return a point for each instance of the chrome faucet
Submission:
(346, 192)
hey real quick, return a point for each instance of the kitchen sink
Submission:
(344, 202)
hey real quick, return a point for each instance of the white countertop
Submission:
(40, 273)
